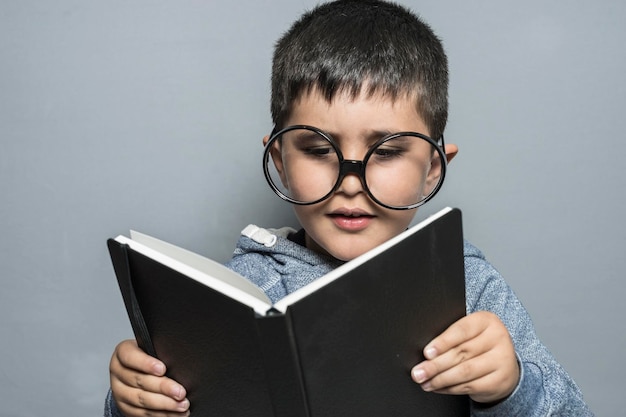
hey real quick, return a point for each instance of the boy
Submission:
(346, 78)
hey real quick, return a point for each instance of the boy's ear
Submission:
(451, 150)
(277, 159)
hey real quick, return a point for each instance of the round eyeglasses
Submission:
(304, 165)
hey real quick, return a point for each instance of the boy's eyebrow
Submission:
(370, 136)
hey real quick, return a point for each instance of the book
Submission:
(342, 345)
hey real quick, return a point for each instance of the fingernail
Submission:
(430, 353)
(159, 368)
(183, 405)
(419, 375)
(427, 387)
(179, 392)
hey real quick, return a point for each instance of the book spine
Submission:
(282, 366)
(121, 266)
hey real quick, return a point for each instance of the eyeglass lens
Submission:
(400, 171)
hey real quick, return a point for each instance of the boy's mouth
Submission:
(351, 219)
(354, 213)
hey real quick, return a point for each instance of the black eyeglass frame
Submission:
(352, 166)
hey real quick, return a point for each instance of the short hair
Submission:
(347, 45)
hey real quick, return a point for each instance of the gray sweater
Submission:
(276, 261)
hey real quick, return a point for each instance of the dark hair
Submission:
(345, 45)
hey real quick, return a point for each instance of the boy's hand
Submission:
(140, 387)
(474, 356)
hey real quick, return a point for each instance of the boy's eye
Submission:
(318, 150)
(311, 144)
(388, 152)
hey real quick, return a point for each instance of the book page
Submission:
(204, 270)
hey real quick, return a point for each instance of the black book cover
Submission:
(346, 348)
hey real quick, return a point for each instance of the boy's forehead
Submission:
(316, 99)
(366, 111)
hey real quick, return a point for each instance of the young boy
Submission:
(346, 78)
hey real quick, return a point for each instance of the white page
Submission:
(204, 270)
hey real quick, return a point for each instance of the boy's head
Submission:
(354, 46)
(350, 79)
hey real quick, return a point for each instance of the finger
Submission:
(145, 413)
(485, 367)
(134, 400)
(460, 331)
(463, 378)
(470, 337)
(129, 355)
(475, 378)
(450, 359)
(153, 384)
(129, 411)
(129, 365)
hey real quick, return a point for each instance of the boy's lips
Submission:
(351, 219)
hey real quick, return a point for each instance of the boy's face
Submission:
(349, 223)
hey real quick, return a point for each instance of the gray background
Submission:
(149, 115)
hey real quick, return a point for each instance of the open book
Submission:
(342, 345)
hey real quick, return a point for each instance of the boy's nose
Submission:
(350, 184)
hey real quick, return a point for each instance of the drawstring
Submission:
(260, 235)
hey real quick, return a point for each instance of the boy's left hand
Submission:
(474, 356)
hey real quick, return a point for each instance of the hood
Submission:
(276, 264)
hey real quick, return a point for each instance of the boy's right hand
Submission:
(140, 387)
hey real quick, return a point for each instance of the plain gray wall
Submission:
(149, 115)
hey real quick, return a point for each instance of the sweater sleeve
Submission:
(545, 388)
(110, 407)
